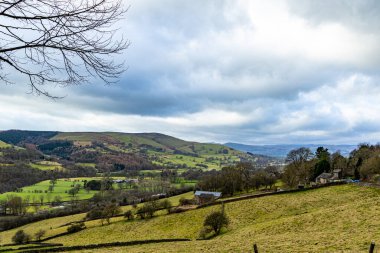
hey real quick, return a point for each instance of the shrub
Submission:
(39, 234)
(95, 213)
(204, 232)
(148, 209)
(184, 202)
(216, 220)
(21, 237)
(104, 211)
(129, 215)
(109, 211)
(166, 204)
(76, 227)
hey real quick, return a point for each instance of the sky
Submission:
(254, 72)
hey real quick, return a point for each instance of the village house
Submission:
(325, 177)
(203, 197)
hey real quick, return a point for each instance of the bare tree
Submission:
(59, 42)
(298, 156)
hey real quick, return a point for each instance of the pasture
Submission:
(41, 190)
(59, 225)
(333, 219)
(47, 165)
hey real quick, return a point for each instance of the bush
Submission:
(109, 211)
(148, 209)
(166, 204)
(76, 227)
(95, 213)
(129, 215)
(39, 234)
(184, 202)
(21, 237)
(104, 211)
(216, 220)
(204, 232)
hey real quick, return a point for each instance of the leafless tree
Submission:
(60, 42)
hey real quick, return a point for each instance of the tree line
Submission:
(238, 178)
(304, 166)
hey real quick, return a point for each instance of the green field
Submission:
(58, 225)
(214, 161)
(4, 145)
(92, 165)
(47, 165)
(64, 185)
(60, 189)
(334, 219)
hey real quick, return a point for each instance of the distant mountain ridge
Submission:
(153, 141)
(282, 150)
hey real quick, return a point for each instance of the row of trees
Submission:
(238, 178)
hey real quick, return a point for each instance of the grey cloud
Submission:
(183, 60)
(363, 15)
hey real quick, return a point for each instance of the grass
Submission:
(56, 226)
(63, 186)
(4, 145)
(213, 161)
(47, 165)
(60, 189)
(92, 165)
(334, 219)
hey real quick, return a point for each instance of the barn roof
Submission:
(325, 176)
(215, 194)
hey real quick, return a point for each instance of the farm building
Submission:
(203, 197)
(325, 177)
(128, 181)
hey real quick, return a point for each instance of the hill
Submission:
(17, 136)
(152, 141)
(333, 219)
(141, 148)
(282, 150)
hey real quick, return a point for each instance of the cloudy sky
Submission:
(255, 72)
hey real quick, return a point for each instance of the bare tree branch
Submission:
(60, 42)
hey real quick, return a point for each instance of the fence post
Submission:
(372, 247)
(255, 250)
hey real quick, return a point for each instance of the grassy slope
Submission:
(325, 220)
(55, 226)
(127, 142)
(152, 139)
(47, 165)
(4, 145)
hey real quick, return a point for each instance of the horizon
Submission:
(210, 142)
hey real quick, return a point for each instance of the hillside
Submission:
(153, 141)
(141, 148)
(4, 145)
(339, 218)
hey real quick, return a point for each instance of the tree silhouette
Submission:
(59, 42)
